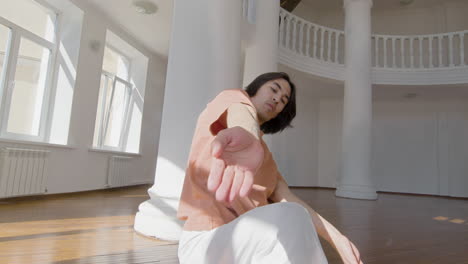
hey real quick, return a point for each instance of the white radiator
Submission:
(22, 171)
(119, 171)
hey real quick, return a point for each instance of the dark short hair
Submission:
(285, 117)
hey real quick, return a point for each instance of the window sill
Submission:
(35, 143)
(129, 154)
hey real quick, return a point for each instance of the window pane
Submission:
(115, 63)
(4, 37)
(105, 92)
(116, 115)
(28, 92)
(31, 16)
(133, 141)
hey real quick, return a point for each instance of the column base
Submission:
(157, 218)
(356, 192)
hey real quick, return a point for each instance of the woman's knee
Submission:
(288, 209)
(281, 215)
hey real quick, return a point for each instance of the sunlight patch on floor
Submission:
(63, 225)
(58, 240)
(457, 221)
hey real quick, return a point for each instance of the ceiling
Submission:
(153, 31)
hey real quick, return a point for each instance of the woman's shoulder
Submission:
(232, 96)
(234, 92)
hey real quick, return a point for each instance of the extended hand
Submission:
(237, 155)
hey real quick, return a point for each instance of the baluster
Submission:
(450, 50)
(322, 41)
(385, 52)
(402, 44)
(377, 55)
(393, 53)
(420, 52)
(462, 49)
(308, 40)
(337, 41)
(329, 45)
(431, 64)
(411, 53)
(440, 50)
(314, 55)
(301, 37)
(281, 29)
(288, 32)
(294, 36)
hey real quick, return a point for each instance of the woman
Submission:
(236, 206)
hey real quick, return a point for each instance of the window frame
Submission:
(105, 114)
(17, 33)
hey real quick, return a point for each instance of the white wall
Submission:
(405, 146)
(329, 128)
(294, 149)
(419, 145)
(74, 167)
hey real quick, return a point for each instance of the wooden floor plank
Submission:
(97, 227)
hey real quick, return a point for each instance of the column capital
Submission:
(347, 2)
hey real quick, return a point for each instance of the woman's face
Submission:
(271, 98)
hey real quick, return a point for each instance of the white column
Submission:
(261, 52)
(355, 175)
(204, 58)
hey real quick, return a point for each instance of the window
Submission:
(27, 51)
(114, 98)
(118, 117)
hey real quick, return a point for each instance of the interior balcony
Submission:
(396, 59)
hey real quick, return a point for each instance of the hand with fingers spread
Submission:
(237, 155)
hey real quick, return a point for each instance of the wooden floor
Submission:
(96, 227)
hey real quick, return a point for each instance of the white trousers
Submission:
(277, 233)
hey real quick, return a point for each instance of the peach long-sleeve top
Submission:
(198, 206)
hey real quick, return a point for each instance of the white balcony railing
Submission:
(431, 59)
(421, 51)
(309, 39)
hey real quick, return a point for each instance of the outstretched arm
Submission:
(347, 250)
